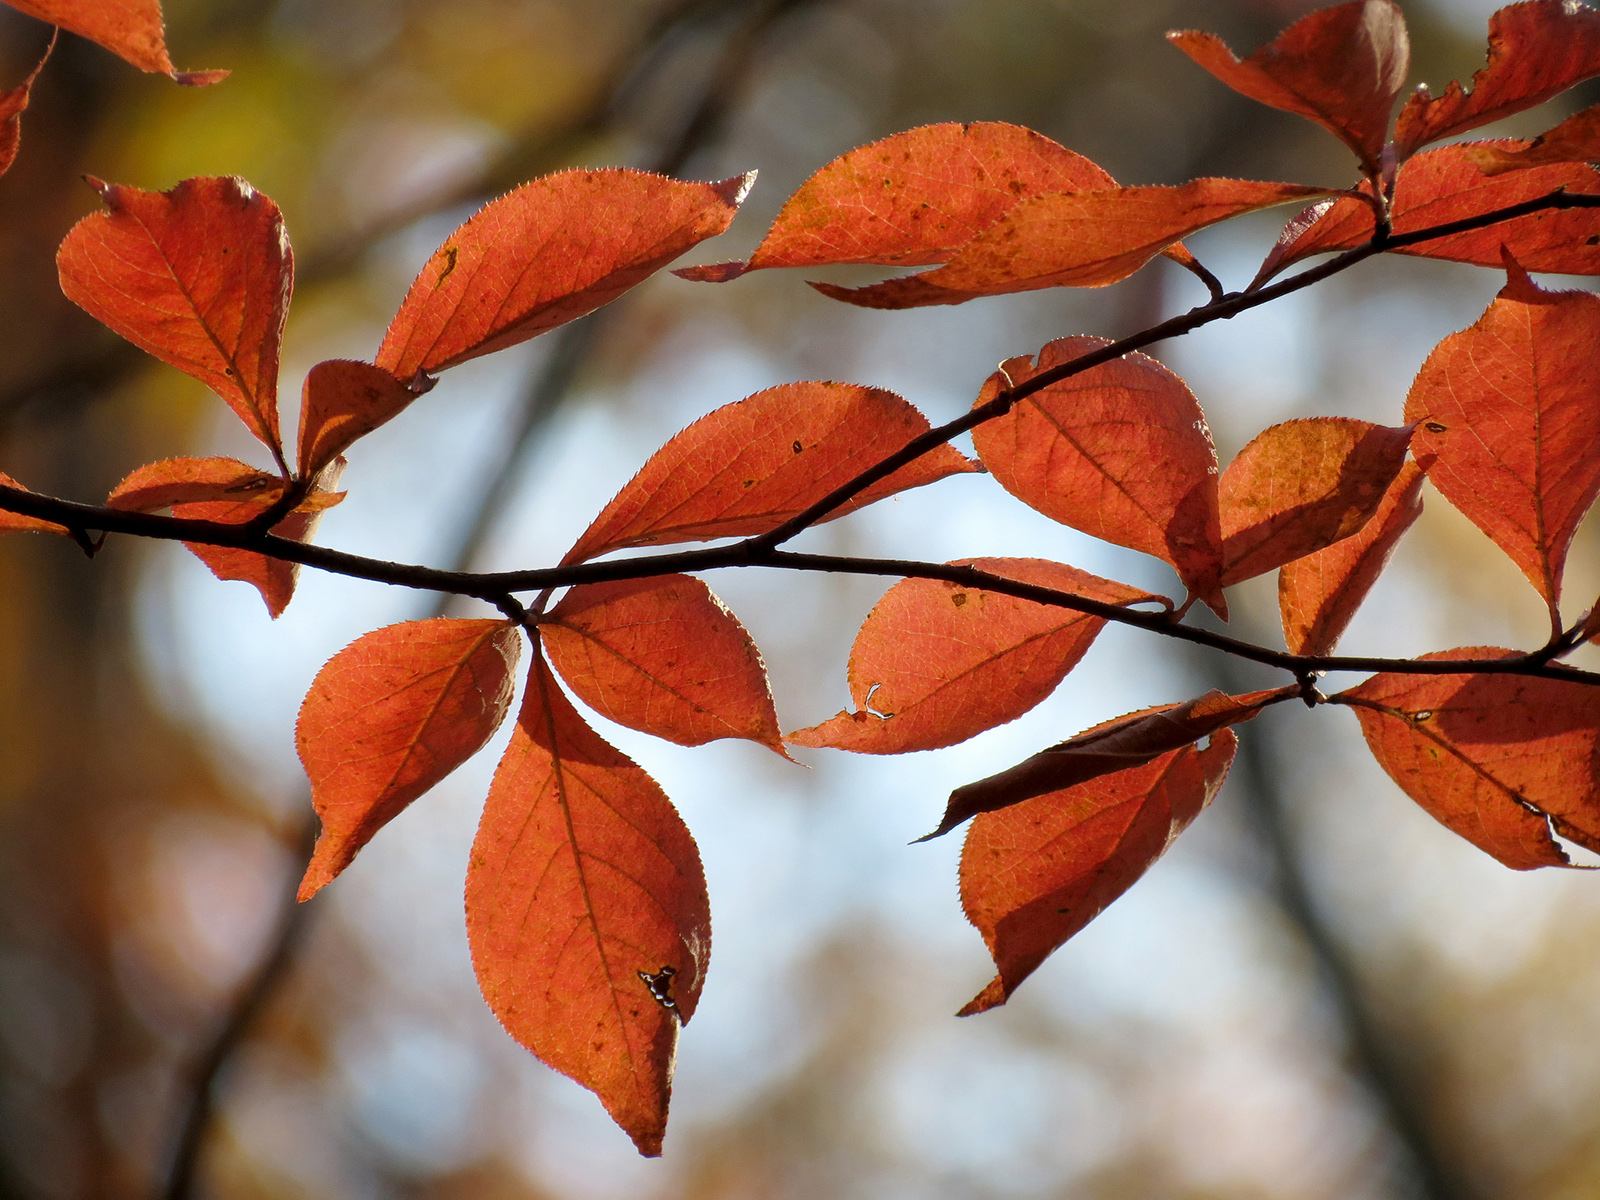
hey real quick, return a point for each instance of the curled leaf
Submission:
(1035, 874)
(13, 103)
(665, 656)
(391, 715)
(130, 29)
(343, 401)
(587, 911)
(936, 663)
(545, 254)
(749, 466)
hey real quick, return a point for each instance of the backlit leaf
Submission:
(1490, 756)
(1037, 873)
(130, 29)
(1342, 67)
(1507, 423)
(545, 254)
(1120, 451)
(936, 663)
(1319, 594)
(11, 522)
(1537, 50)
(751, 465)
(1444, 185)
(12, 105)
(1118, 745)
(1074, 239)
(200, 277)
(912, 198)
(343, 401)
(1577, 139)
(391, 715)
(662, 655)
(587, 911)
(1303, 485)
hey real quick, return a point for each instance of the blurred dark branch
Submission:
(551, 387)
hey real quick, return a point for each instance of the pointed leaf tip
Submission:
(130, 29)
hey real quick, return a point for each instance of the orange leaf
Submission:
(545, 254)
(1120, 451)
(200, 277)
(587, 911)
(343, 401)
(1342, 67)
(1074, 239)
(11, 522)
(12, 105)
(1118, 745)
(1037, 873)
(1491, 756)
(664, 656)
(1303, 485)
(1445, 185)
(1508, 424)
(231, 492)
(751, 465)
(1577, 139)
(1318, 594)
(130, 29)
(912, 198)
(936, 663)
(391, 715)
(1537, 50)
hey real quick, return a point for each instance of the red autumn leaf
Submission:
(936, 663)
(545, 254)
(1129, 741)
(12, 105)
(1074, 239)
(1037, 873)
(751, 465)
(1303, 485)
(200, 277)
(1120, 451)
(664, 656)
(391, 715)
(1577, 139)
(231, 492)
(587, 911)
(1445, 185)
(1507, 423)
(11, 522)
(1318, 594)
(1537, 50)
(1491, 756)
(130, 29)
(343, 401)
(1342, 67)
(911, 199)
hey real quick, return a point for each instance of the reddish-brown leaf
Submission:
(1120, 451)
(1074, 239)
(1118, 745)
(130, 29)
(1537, 50)
(200, 277)
(1507, 423)
(1342, 67)
(1577, 139)
(587, 911)
(11, 522)
(1491, 756)
(231, 492)
(1445, 185)
(343, 401)
(545, 254)
(12, 105)
(936, 663)
(1318, 594)
(1303, 485)
(664, 656)
(391, 715)
(912, 199)
(751, 465)
(1037, 873)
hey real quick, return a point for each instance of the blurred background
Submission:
(1318, 993)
